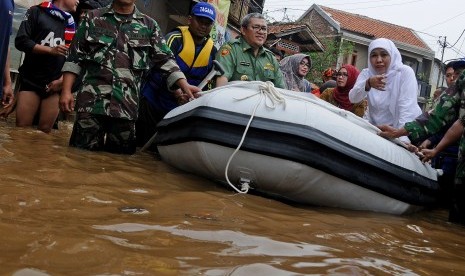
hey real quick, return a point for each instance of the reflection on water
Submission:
(240, 243)
(65, 211)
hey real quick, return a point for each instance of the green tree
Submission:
(328, 58)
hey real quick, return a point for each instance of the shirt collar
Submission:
(246, 47)
(135, 14)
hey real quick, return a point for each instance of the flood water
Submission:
(65, 211)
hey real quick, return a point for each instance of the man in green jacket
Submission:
(246, 59)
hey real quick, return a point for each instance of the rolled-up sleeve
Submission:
(443, 114)
(71, 67)
(163, 59)
(358, 93)
(72, 63)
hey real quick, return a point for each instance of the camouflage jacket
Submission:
(445, 113)
(113, 52)
(451, 107)
(460, 172)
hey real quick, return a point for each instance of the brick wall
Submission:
(320, 27)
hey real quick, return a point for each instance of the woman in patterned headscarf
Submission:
(294, 69)
(339, 96)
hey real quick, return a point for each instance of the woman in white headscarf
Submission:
(294, 69)
(390, 86)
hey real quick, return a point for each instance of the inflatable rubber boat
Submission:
(293, 145)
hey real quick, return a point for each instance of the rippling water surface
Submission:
(65, 211)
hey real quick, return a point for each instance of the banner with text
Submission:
(219, 29)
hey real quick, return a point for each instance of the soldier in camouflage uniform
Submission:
(246, 59)
(114, 46)
(450, 109)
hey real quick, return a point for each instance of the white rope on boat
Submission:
(304, 97)
(273, 98)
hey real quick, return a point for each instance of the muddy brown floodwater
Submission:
(65, 211)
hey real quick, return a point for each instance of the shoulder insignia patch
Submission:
(224, 52)
(269, 66)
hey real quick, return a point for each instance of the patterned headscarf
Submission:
(290, 68)
(341, 94)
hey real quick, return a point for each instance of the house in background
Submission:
(292, 38)
(237, 10)
(331, 24)
(170, 14)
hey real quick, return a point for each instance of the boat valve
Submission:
(245, 184)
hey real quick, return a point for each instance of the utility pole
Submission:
(285, 16)
(443, 46)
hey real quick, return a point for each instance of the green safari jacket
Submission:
(236, 56)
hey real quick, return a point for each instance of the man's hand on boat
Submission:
(391, 132)
(181, 97)
(187, 91)
(428, 154)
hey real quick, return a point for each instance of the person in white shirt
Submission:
(390, 86)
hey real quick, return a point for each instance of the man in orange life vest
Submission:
(194, 51)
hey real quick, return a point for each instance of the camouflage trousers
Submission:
(100, 132)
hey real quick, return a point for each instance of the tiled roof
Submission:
(376, 28)
(308, 40)
(279, 28)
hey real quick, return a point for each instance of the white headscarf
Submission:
(391, 95)
(396, 58)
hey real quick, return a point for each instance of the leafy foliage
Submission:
(327, 58)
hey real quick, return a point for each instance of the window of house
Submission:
(354, 59)
(290, 46)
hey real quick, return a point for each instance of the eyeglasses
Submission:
(259, 28)
(303, 63)
(344, 75)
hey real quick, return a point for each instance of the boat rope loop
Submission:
(272, 96)
(272, 99)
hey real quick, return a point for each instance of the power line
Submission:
(330, 4)
(447, 20)
(457, 51)
(458, 39)
(374, 7)
(443, 46)
(462, 44)
(290, 4)
(435, 36)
